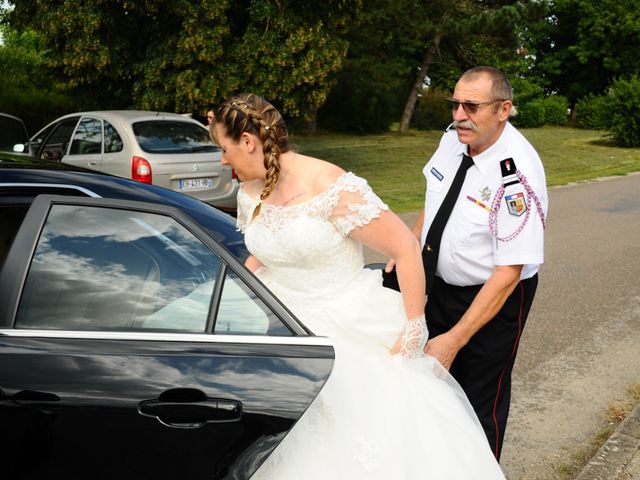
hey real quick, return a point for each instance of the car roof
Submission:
(11, 116)
(132, 115)
(24, 172)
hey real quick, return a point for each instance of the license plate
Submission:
(194, 183)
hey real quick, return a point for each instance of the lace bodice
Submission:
(305, 247)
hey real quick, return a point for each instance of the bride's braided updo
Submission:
(251, 113)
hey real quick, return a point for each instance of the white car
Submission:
(166, 149)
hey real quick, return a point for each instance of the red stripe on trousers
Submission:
(513, 353)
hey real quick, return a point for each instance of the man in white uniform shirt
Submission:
(490, 248)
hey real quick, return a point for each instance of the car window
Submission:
(56, 144)
(171, 136)
(112, 140)
(98, 268)
(237, 316)
(37, 140)
(88, 137)
(12, 133)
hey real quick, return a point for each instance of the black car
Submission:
(133, 341)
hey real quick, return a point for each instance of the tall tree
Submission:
(459, 25)
(183, 55)
(394, 45)
(583, 45)
(28, 90)
(372, 83)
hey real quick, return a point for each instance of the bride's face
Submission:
(244, 156)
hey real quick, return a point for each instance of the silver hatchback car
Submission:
(165, 149)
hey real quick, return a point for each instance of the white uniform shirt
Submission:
(468, 251)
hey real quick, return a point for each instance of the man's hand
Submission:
(390, 265)
(444, 348)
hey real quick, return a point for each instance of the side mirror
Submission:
(18, 148)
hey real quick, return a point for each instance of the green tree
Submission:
(460, 27)
(582, 45)
(183, 55)
(624, 102)
(28, 91)
(373, 81)
(387, 65)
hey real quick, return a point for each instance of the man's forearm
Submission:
(417, 227)
(488, 302)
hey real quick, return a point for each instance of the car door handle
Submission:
(91, 164)
(30, 396)
(190, 408)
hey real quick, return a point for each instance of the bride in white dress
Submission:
(388, 411)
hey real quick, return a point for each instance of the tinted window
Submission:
(110, 269)
(112, 140)
(88, 138)
(12, 132)
(171, 136)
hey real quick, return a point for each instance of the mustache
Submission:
(465, 124)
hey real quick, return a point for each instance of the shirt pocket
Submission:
(474, 226)
(434, 197)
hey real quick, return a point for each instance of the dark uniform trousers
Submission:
(483, 366)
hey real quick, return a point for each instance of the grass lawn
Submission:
(393, 163)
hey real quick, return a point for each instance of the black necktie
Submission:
(431, 248)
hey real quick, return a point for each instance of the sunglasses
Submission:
(470, 107)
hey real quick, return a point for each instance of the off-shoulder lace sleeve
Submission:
(246, 204)
(353, 203)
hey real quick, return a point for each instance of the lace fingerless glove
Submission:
(414, 338)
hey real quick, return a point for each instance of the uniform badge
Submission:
(516, 203)
(507, 166)
(437, 174)
(485, 194)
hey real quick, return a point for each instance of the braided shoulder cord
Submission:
(497, 203)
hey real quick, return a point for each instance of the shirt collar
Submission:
(487, 158)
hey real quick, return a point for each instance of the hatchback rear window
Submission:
(170, 136)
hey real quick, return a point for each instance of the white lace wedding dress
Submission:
(379, 416)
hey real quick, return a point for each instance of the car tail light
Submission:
(140, 170)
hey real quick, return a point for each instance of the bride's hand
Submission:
(411, 343)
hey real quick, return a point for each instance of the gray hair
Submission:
(500, 88)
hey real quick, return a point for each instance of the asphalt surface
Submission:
(580, 349)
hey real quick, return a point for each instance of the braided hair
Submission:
(251, 113)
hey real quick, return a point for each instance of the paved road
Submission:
(581, 346)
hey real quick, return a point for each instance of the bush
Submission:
(35, 107)
(27, 89)
(531, 114)
(555, 110)
(432, 112)
(593, 112)
(624, 105)
(525, 90)
(551, 110)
